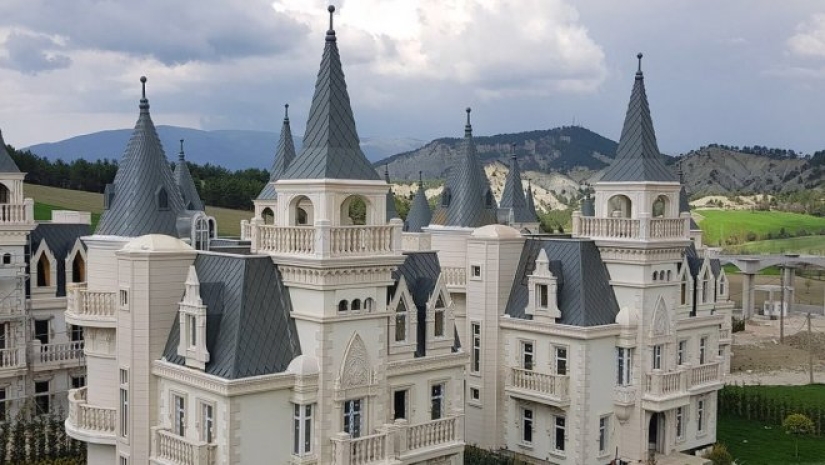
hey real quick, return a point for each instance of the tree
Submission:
(798, 425)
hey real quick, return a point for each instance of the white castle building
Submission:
(325, 337)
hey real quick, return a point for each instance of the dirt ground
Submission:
(758, 357)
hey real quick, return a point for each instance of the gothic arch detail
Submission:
(661, 320)
(355, 368)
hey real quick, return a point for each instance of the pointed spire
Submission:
(284, 155)
(471, 202)
(7, 164)
(391, 211)
(144, 197)
(638, 158)
(420, 214)
(331, 147)
(387, 172)
(528, 200)
(186, 184)
(512, 197)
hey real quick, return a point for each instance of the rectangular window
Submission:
(558, 436)
(475, 362)
(191, 322)
(124, 402)
(76, 333)
(703, 349)
(657, 357)
(302, 421)
(438, 324)
(41, 331)
(352, 417)
(124, 297)
(436, 401)
(700, 415)
(604, 424)
(561, 360)
(41, 397)
(680, 425)
(124, 460)
(527, 355)
(542, 297)
(399, 404)
(179, 413)
(527, 426)
(624, 366)
(207, 423)
(475, 271)
(475, 393)
(78, 382)
(681, 352)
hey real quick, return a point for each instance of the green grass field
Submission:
(719, 224)
(52, 198)
(752, 443)
(806, 244)
(812, 395)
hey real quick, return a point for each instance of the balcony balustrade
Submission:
(631, 228)
(455, 278)
(170, 449)
(541, 387)
(90, 423)
(59, 354)
(326, 241)
(90, 308)
(11, 359)
(20, 213)
(667, 386)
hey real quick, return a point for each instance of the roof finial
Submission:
(680, 172)
(180, 155)
(639, 56)
(331, 30)
(468, 128)
(513, 150)
(144, 103)
(286, 113)
(420, 179)
(387, 172)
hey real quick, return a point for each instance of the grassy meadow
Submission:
(52, 198)
(719, 225)
(814, 245)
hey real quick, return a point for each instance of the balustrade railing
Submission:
(83, 303)
(62, 352)
(454, 276)
(338, 241)
(16, 213)
(664, 384)
(549, 384)
(432, 433)
(88, 417)
(285, 239)
(704, 374)
(358, 240)
(10, 358)
(630, 228)
(171, 448)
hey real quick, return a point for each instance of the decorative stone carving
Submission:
(355, 369)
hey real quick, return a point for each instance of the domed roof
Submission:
(497, 231)
(304, 365)
(627, 317)
(157, 243)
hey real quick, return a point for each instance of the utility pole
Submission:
(810, 352)
(782, 305)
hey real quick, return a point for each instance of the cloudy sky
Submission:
(740, 72)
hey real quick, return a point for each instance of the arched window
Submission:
(438, 317)
(355, 211)
(446, 196)
(343, 306)
(401, 321)
(44, 271)
(268, 216)
(7, 259)
(78, 269)
(669, 277)
(213, 229)
(369, 304)
(356, 304)
(201, 233)
(722, 285)
(163, 199)
(706, 288)
(683, 292)
(660, 205)
(662, 275)
(301, 212)
(655, 275)
(301, 216)
(619, 206)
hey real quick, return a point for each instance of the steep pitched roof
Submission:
(467, 200)
(585, 297)
(143, 181)
(513, 197)
(638, 158)
(7, 164)
(391, 211)
(60, 238)
(283, 158)
(331, 146)
(183, 178)
(248, 328)
(420, 214)
(420, 271)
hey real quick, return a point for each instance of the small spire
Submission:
(513, 150)
(420, 179)
(144, 102)
(468, 128)
(286, 113)
(331, 31)
(180, 155)
(639, 71)
(679, 172)
(387, 172)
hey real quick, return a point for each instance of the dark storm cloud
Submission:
(173, 32)
(32, 54)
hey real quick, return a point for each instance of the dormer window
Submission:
(438, 318)
(446, 196)
(401, 322)
(162, 199)
(192, 342)
(543, 290)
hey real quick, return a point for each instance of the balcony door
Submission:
(656, 433)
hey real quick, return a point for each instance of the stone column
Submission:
(747, 296)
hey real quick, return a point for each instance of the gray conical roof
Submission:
(331, 148)
(531, 206)
(284, 156)
(512, 197)
(7, 164)
(143, 198)
(391, 211)
(420, 214)
(186, 184)
(467, 200)
(638, 158)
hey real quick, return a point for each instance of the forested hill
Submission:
(560, 150)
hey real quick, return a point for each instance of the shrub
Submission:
(798, 424)
(737, 325)
(719, 455)
(751, 236)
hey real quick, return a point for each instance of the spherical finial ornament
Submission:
(143, 79)
(331, 8)
(639, 56)
(468, 109)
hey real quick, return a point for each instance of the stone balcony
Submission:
(17, 213)
(670, 389)
(55, 356)
(170, 449)
(631, 229)
(399, 443)
(455, 278)
(549, 389)
(12, 361)
(325, 241)
(90, 308)
(90, 423)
